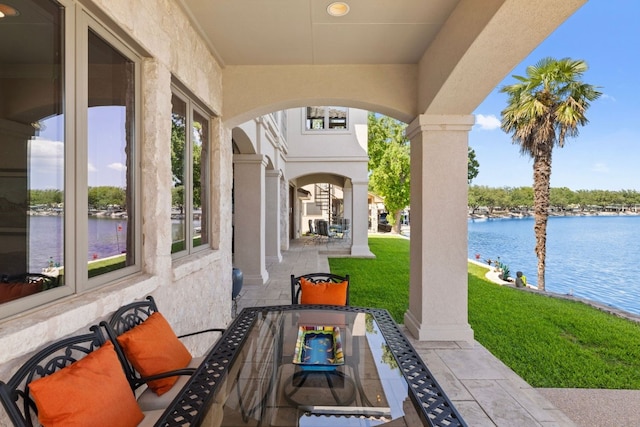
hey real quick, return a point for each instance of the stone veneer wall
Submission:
(194, 292)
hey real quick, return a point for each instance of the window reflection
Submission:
(31, 151)
(190, 173)
(200, 155)
(110, 148)
(178, 200)
(52, 174)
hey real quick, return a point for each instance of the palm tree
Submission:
(544, 109)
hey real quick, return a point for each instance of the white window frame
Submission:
(86, 23)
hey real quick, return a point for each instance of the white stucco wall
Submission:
(326, 143)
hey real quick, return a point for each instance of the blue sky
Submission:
(606, 153)
(106, 159)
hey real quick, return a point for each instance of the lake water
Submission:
(107, 237)
(593, 257)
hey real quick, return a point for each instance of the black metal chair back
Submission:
(128, 317)
(296, 289)
(131, 315)
(15, 395)
(122, 320)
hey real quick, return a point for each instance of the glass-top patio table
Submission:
(312, 365)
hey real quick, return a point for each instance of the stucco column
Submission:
(347, 203)
(359, 225)
(438, 282)
(249, 217)
(272, 204)
(284, 214)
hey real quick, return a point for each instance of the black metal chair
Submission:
(296, 289)
(128, 317)
(15, 395)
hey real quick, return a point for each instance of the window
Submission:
(68, 145)
(190, 169)
(111, 171)
(326, 118)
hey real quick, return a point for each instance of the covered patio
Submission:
(221, 64)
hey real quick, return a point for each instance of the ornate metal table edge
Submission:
(436, 407)
(190, 406)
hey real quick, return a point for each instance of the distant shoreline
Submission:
(504, 215)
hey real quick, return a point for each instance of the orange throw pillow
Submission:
(153, 348)
(323, 293)
(90, 392)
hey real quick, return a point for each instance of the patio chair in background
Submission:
(320, 288)
(322, 229)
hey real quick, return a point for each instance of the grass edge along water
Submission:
(591, 257)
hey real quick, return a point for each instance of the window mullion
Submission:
(79, 236)
(188, 174)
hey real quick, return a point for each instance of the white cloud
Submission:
(46, 155)
(600, 168)
(91, 167)
(609, 97)
(46, 163)
(487, 122)
(117, 166)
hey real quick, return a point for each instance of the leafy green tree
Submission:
(197, 164)
(473, 167)
(178, 141)
(178, 144)
(543, 110)
(472, 199)
(630, 197)
(106, 196)
(561, 197)
(388, 358)
(585, 199)
(45, 197)
(389, 165)
(480, 195)
(522, 197)
(177, 197)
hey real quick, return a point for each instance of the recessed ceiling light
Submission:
(338, 9)
(6, 11)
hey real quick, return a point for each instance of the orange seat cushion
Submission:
(153, 348)
(90, 392)
(323, 293)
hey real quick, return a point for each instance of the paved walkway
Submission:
(483, 389)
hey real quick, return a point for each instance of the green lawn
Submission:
(549, 342)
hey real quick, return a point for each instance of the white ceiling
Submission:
(286, 32)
